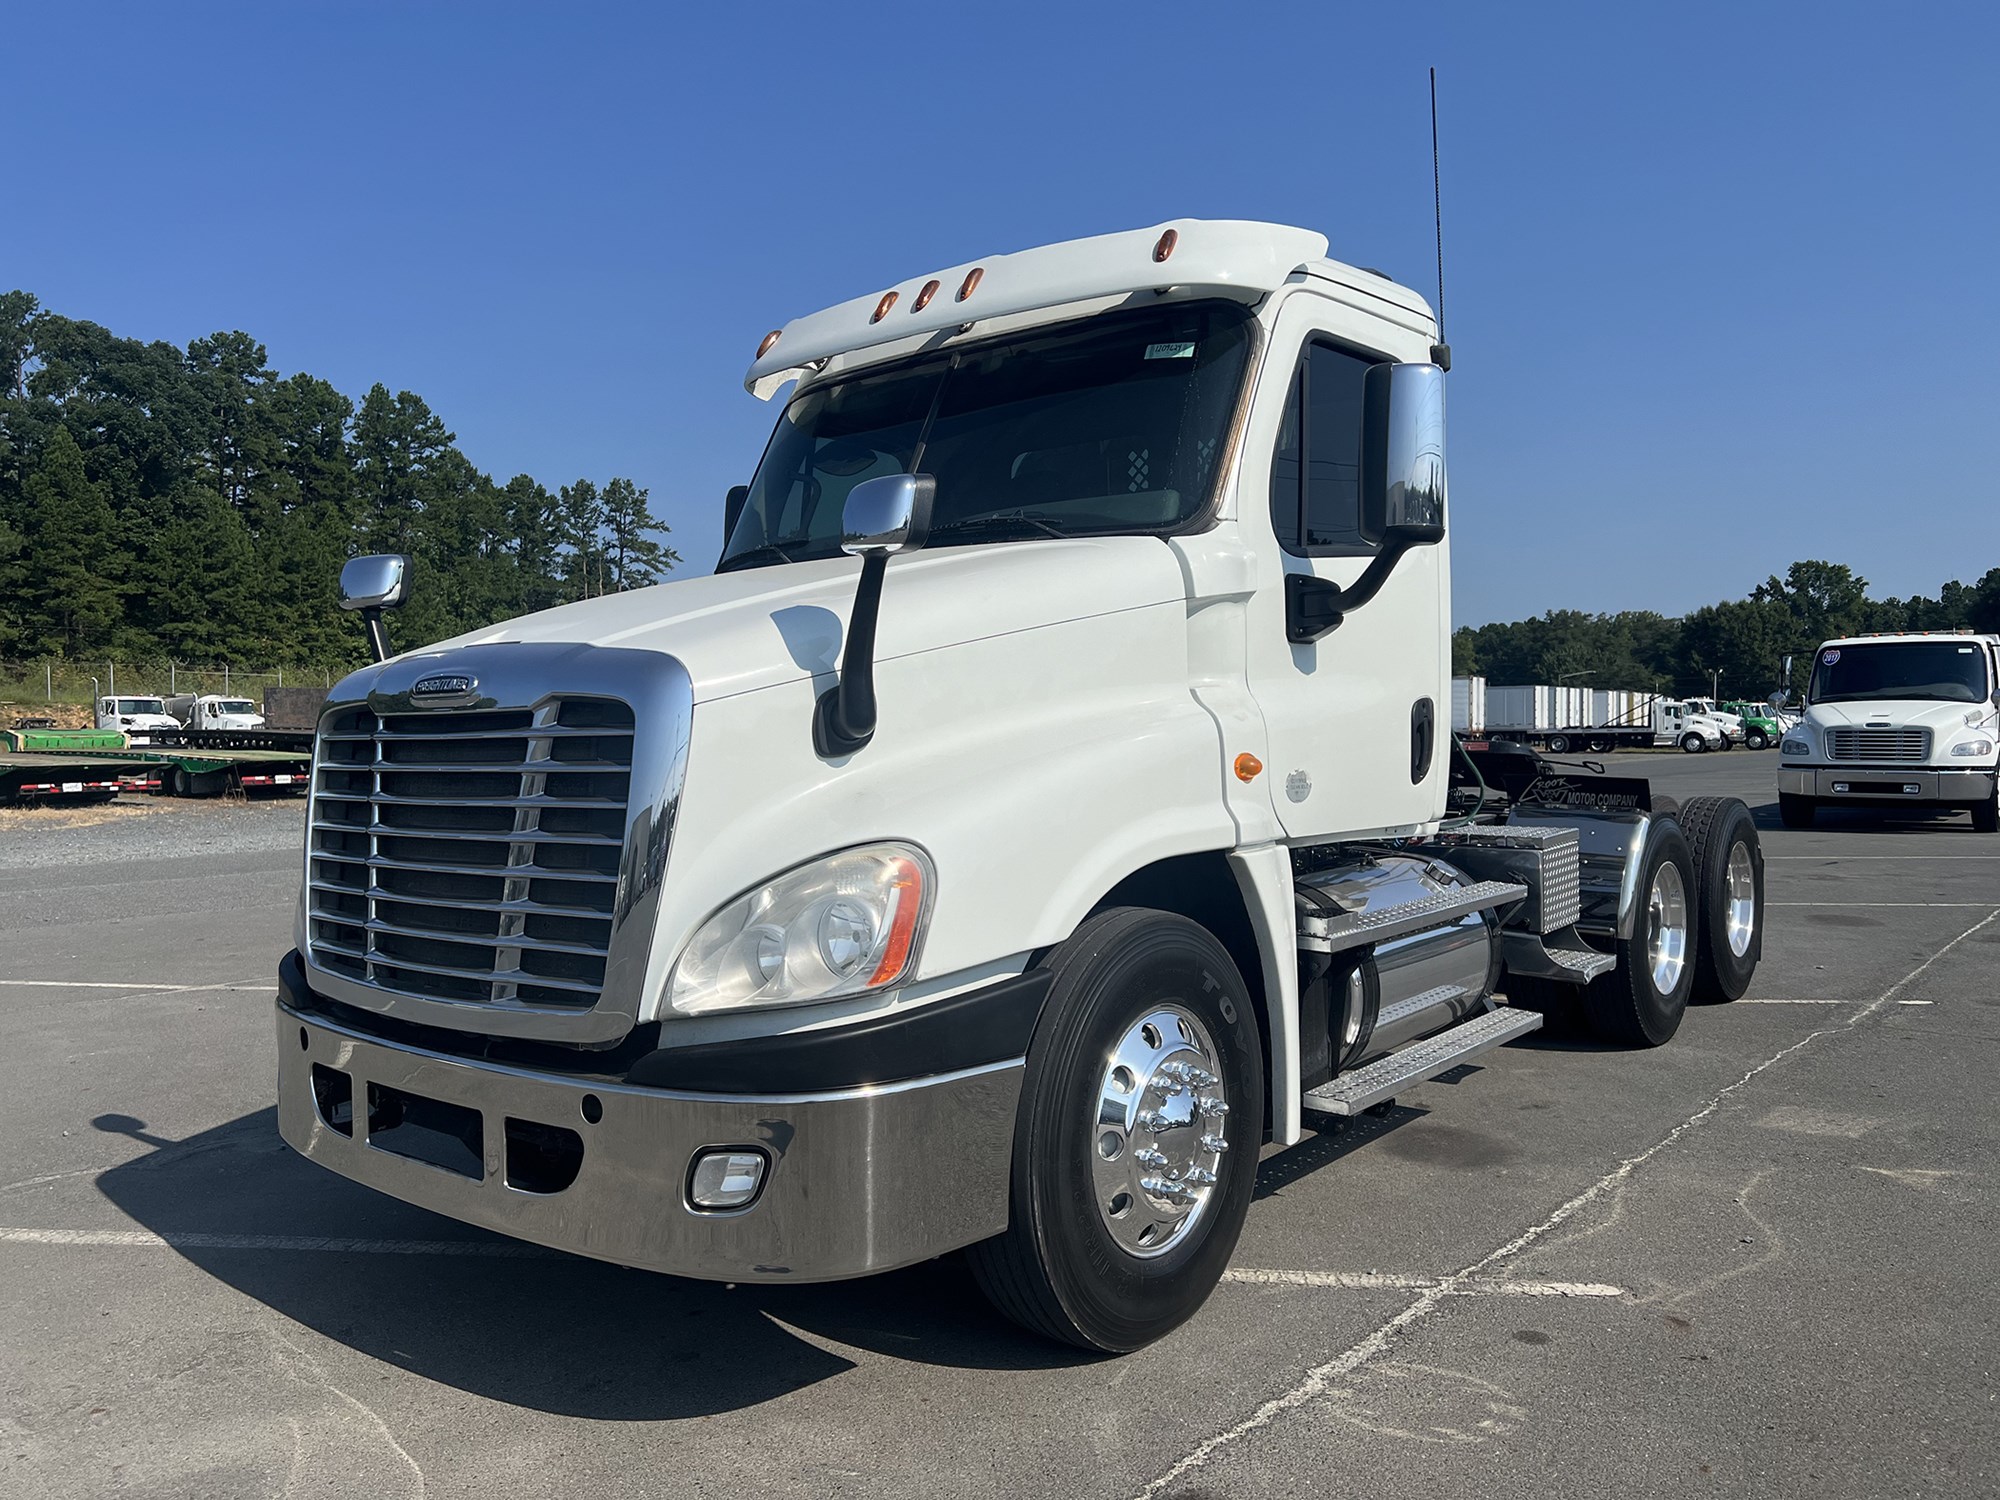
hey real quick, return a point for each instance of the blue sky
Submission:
(1720, 280)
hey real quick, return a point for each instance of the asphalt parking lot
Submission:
(1759, 1259)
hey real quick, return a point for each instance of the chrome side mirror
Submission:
(888, 514)
(1403, 472)
(371, 585)
(1776, 700)
(378, 582)
(885, 515)
(1402, 493)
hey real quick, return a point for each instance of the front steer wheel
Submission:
(1135, 1146)
(1986, 815)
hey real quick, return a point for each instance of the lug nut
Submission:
(1199, 1177)
(1150, 1158)
(1154, 1121)
(1214, 1143)
(1213, 1109)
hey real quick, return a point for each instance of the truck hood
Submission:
(1925, 713)
(742, 631)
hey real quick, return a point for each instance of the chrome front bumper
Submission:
(858, 1181)
(1952, 788)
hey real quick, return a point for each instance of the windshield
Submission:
(138, 706)
(1110, 424)
(1954, 671)
(236, 706)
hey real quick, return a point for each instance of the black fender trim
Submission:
(991, 1024)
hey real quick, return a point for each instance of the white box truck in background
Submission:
(1046, 803)
(1901, 720)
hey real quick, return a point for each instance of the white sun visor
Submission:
(1224, 257)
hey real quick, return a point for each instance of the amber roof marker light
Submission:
(924, 297)
(882, 308)
(1164, 245)
(971, 283)
(770, 339)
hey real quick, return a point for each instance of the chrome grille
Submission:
(470, 857)
(1849, 743)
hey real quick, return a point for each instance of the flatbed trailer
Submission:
(298, 741)
(79, 778)
(211, 773)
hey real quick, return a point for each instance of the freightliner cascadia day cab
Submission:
(1897, 721)
(1045, 804)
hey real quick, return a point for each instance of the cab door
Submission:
(1357, 720)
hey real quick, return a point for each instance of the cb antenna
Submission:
(1440, 351)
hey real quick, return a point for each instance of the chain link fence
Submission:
(65, 680)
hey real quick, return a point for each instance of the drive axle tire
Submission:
(1729, 890)
(1795, 811)
(1135, 1142)
(1559, 744)
(1640, 1003)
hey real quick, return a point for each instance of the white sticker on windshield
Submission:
(1965, 651)
(1170, 351)
(1829, 657)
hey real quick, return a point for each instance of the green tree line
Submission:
(196, 504)
(1744, 642)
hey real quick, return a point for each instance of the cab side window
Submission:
(1316, 470)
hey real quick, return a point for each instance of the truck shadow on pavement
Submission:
(1884, 819)
(539, 1329)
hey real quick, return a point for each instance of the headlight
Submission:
(842, 925)
(1973, 747)
(1795, 747)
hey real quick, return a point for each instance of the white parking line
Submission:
(1321, 1378)
(295, 1244)
(145, 1239)
(1849, 859)
(1779, 1000)
(1974, 905)
(1370, 1281)
(151, 989)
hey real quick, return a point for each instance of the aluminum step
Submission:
(1332, 932)
(1528, 954)
(1351, 1093)
(1402, 1010)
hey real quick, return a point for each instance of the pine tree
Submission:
(636, 560)
(69, 595)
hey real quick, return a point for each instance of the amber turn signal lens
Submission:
(1248, 767)
(971, 283)
(924, 297)
(882, 308)
(769, 339)
(1164, 246)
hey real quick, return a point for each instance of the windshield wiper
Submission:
(754, 555)
(998, 522)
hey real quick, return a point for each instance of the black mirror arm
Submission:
(1315, 608)
(378, 638)
(844, 717)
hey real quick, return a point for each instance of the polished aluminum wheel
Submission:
(1158, 1138)
(1667, 927)
(1742, 892)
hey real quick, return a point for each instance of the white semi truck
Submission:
(1044, 806)
(209, 711)
(1650, 720)
(1897, 720)
(138, 716)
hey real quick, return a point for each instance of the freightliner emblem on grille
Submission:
(444, 687)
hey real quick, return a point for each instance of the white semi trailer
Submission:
(1045, 805)
(1897, 720)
